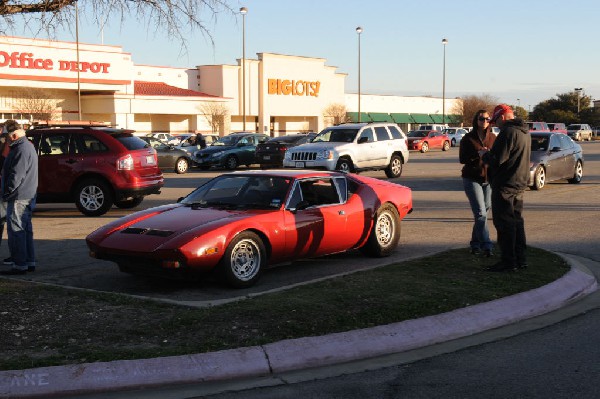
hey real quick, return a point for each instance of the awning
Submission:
(438, 118)
(421, 118)
(402, 118)
(353, 116)
(380, 117)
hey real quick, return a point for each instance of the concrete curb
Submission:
(301, 353)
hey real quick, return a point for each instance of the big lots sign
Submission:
(26, 60)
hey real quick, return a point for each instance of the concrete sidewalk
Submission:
(302, 353)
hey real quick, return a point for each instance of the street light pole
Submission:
(578, 90)
(444, 43)
(243, 11)
(78, 74)
(359, 31)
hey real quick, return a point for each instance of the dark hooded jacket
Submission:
(474, 168)
(509, 157)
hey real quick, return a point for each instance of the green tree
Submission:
(563, 108)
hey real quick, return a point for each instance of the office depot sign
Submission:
(30, 61)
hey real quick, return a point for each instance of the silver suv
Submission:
(580, 132)
(353, 147)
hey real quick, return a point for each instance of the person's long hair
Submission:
(477, 115)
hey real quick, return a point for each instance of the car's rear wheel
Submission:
(424, 147)
(181, 166)
(243, 260)
(453, 143)
(93, 197)
(446, 146)
(129, 203)
(344, 165)
(394, 169)
(231, 162)
(539, 178)
(578, 175)
(385, 232)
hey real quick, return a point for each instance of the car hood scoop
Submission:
(149, 232)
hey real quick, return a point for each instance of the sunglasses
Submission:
(481, 119)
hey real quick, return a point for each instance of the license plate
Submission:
(150, 159)
(266, 157)
(299, 164)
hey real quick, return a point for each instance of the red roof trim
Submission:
(162, 89)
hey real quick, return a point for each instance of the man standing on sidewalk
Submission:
(19, 187)
(508, 161)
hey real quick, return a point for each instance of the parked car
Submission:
(554, 156)
(271, 152)
(596, 131)
(353, 147)
(424, 140)
(495, 130)
(538, 126)
(230, 151)
(240, 222)
(165, 137)
(169, 157)
(94, 167)
(435, 126)
(455, 134)
(580, 131)
(190, 146)
(558, 127)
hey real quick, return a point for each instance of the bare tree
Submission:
(215, 114)
(471, 104)
(170, 16)
(335, 114)
(38, 103)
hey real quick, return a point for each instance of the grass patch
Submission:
(45, 326)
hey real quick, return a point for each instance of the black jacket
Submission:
(509, 157)
(468, 155)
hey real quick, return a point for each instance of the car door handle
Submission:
(341, 213)
(70, 161)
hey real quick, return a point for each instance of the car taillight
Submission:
(283, 148)
(125, 163)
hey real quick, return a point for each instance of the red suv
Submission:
(94, 166)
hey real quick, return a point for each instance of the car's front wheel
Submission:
(424, 147)
(394, 169)
(231, 162)
(93, 197)
(578, 175)
(344, 165)
(539, 178)
(385, 232)
(453, 143)
(181, 166)
(129, 203)
(446, 146)
(243, 260)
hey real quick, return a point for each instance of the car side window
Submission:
(54, 144)
(565, 141)
(368, 133)
(555, 142)
(319, 192)
(396, 133)
(86, 144)
(381, 133)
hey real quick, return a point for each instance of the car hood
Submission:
(321, 146)
(213, 149)
(164, 228)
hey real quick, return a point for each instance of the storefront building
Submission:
(52, 80)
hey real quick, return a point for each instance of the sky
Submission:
(521, 52)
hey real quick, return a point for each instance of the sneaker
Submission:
(475, 251)
(13, 272)
(30, 266)
(8, 262)
(488, 253)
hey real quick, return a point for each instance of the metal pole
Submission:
(444, 42)
(244, 10)
(578, 90)
(77, 45)
(359, 31)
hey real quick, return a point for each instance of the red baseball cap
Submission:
(500, 110)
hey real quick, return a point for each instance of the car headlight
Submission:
(217, 154)
(325, 154)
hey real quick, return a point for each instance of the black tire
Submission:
(446, 146)
(539, 178)
(243, 260)
(394, 169)
(453, 143)
(344, 165)
(578, 174)
(424, 147)
(385, 233)
(93, 197)
(181, 166)
(231, 162)
(129, 203)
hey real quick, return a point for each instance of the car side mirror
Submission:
(555, 149)
(363, 140)
(180, 199)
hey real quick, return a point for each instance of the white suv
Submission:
(353, 148)
(580, 132)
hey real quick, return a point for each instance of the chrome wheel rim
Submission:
(92, 198)
(384, 229)
(396, 166)
(541, 178)
(578, 171)
(182, 165)
(245, 260)
(344, 167)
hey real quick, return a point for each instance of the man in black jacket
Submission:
(508, 161)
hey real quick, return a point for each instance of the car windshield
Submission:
(336, 136)
(227, 140)
(240, 192)
(418, 133)
(574, 127)
(539, 143)
(130, 141)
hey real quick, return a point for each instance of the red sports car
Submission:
(238, 223)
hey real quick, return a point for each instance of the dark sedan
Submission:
(169, 157)
(554, 156)
(270, 153)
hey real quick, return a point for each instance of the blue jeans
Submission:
(2, 218)
(20, 232)
(480, 199)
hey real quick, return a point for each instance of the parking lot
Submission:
(561, 217)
